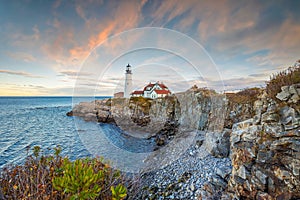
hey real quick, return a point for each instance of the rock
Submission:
(241, 172)
(224, 172)
(273, 129)
(199, 143)
(242, 125)
(287, 115)
(293, 89)
(289, 93)
(269, 117)
(160, 140)
(217, 144)
(295, 98)
(263, 196)
(282, 174)
(70, 113)
(1, 195)
(261, 176)
(266, 159)
(283, 96)
(192, 187)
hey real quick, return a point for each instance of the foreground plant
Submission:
(55, 177)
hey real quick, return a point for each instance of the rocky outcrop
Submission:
(201, 110)
(217, 143)
(290, 94)
(195, 109)
(97, 110)
(265, 153)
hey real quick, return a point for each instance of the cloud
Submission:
(25, 74)
(26, 57)
(263, 75)
(233, 28)
(57, 47)
(75, 73)
(126, 15)
(26, 40)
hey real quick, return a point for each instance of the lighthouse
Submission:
(128, 82)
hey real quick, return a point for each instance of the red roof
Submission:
(138, 92)
(162, 91)
(149, 85)
(153, 84)
(163, 86)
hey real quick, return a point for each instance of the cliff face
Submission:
(201, 110)
(190, 110)
(265, 150)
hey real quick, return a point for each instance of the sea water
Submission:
(41, 121)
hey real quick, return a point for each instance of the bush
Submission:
(55, 177)
(141, 102)
(283, 78)
(248, 96)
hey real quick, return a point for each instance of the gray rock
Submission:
(283, 95)
(269, 117)
(285, 88)
(241, 172)
(294, 98)
(273, 129)
(261, 176)
(287, 115)
(192, 187)
(224, 172)
(293, 90)
(242, 125)
(217, 144)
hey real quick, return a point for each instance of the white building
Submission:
(152, 90)
(128, 82)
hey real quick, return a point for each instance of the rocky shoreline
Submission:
(242, 149)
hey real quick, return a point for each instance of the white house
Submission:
(152, 90)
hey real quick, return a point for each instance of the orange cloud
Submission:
(120, 21)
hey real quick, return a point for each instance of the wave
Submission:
(46, 107)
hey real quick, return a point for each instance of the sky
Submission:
(65, 48)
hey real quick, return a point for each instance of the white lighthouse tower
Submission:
(128, 82)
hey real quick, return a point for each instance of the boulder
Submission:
(217, 144)
(70, 113)
(283, 95)
(269, 117)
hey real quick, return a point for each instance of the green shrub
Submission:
(79, 180)
(56, 177)
(118, 192)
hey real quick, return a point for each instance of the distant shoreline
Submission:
(56, 96)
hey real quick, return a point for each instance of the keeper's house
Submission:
(153, 91)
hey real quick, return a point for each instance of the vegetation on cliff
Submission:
(287, 77)
(248, 95)
(56, 177)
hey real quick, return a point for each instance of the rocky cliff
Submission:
(265, 149)
(260, 135)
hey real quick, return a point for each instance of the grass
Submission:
(56, 177)
(283, 78)
(141, 102)
(246, 96)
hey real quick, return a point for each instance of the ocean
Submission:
(30, 121)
